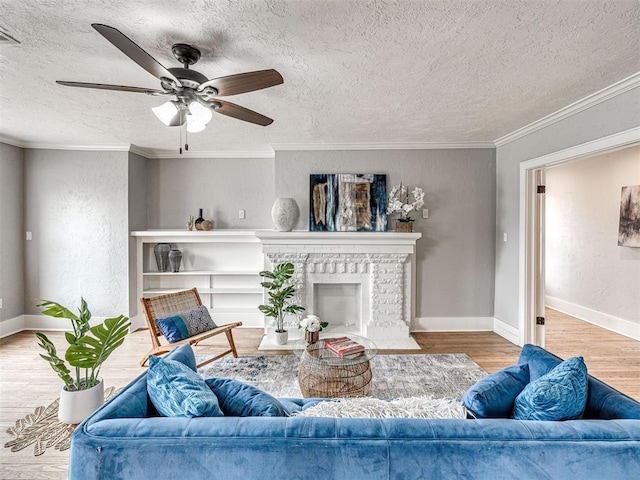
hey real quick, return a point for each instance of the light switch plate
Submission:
(425, 213)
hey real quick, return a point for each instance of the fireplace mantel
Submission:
(382, 264)
(273, 237)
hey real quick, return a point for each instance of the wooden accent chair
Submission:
(170, 304)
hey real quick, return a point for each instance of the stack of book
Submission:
(344, 347)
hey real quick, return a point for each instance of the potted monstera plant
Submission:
(280, 293)
(89, 347)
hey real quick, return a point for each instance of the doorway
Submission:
(531, 248)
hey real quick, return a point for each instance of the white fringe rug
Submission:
(413, 407)
(394, 376)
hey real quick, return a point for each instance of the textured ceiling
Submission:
(362, 71)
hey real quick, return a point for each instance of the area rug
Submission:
(394, 376)
(43, 430)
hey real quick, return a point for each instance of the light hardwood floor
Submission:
(27, 382)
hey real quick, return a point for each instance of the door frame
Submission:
(528, 230)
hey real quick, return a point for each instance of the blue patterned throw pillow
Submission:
(560, 394)
(494, 395)
(186, 324)
(238, 399)
(177, 391)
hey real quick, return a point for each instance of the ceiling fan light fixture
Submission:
(200, 113)
(168, 113)
(193, 125)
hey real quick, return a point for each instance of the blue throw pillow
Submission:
(560, 394)
(177, 391)
(238, 399)
(494, 395)
(186, 324)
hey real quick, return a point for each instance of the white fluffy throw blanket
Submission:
(413, 407)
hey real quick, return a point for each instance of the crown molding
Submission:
(159, 154)
(381, 146)
(56, 146)
(589, 101)
(12, 141)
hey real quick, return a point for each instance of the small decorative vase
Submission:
(282, 337)
(175, 257)
(311, 337)
(161, 252)
(74, 407)
(206, 225)
(199, 220)
(404, 227)
(285, 214)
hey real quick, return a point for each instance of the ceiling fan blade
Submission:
(134, 52)
(236, 111)
(120, 88)
(243, 82)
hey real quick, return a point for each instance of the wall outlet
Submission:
(504, 236)
(425, 213)
(29, 236)
(241, 214)
(0, 303)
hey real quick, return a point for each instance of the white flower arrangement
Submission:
(312, 323)
(399, 201)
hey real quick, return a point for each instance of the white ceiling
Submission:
(355, 72)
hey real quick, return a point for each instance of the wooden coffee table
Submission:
(322, 374)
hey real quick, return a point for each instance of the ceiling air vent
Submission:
(6, 39)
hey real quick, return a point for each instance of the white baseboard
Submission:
(11, 326)
(453, 324)
(601, 319)
(506, 331)
(45, 322)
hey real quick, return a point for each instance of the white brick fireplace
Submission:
(361, 282)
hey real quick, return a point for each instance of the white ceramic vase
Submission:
(282, 337)
(76, 406)
(285, 214)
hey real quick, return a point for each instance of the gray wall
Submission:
(584, 264)
(11, 231)
(615, 115)
(455, 256)
(178, 187)
(76, 207)
(137, 216)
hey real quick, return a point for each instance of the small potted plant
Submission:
(312, 327)
(280, 292)
(89, 347)
(399, 203)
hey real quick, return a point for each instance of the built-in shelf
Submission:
(200, 272)
(223, 265)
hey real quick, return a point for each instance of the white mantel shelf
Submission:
(338, 238)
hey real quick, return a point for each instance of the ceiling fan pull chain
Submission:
(180, 132)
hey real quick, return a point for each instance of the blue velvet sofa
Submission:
(126, 439)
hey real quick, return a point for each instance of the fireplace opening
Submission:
(340, 305)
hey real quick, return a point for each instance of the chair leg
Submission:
(143, 362)
(154, 351)
(229, 334)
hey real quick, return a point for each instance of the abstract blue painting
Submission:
(347, 202)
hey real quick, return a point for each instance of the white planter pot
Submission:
(76, 406)
(282, 337)
(285, 214)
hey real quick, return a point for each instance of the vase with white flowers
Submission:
(399, 203)
(312, 327)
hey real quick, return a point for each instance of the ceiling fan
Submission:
(194, 96)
